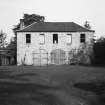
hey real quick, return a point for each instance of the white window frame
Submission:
(82, 39)
(69, 38)
(42, 39)
(28, 39)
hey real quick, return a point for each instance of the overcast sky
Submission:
(54, 10)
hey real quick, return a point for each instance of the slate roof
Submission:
(55, 27)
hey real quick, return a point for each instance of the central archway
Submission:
(58, 57)
(40, 57)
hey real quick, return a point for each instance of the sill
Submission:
(42, 43)
(55, 43)
(83, 42)
(28, 44)
(69, 44)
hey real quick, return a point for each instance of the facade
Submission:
(50, 42)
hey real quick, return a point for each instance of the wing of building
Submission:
(50, 42)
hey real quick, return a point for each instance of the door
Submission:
(40, 57)
(58, 57)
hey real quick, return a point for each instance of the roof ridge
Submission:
(54, 26)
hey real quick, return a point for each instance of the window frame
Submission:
(28, 38)
(82, 38)
(55, 39)
(68, 43)
(43, 39)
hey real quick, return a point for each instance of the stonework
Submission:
(35, 53)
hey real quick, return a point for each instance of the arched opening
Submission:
(58, 56)
(40, 57)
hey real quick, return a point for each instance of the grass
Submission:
(52, 85)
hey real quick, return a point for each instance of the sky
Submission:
(77, 11)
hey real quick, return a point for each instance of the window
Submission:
(55, 38)
(28, 38)
(69, 38)
(82, 38)
(42, 38)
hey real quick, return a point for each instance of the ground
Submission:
(52, 85)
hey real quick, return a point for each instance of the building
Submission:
(50, 42)
(7, 57)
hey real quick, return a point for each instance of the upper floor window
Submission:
(69, 38)
(42, 38)
(28, 38)
(82, 38)
(55, 38)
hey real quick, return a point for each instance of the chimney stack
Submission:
(21, 24)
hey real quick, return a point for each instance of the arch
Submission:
(40, 57)
(58, 56)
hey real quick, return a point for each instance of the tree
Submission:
(12, 44)
(3, 37)
(83, 55)
(87, 25)
(29, 19)
(12, 49)
(99, 51)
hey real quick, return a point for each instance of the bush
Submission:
(83, 55)
(99, 52)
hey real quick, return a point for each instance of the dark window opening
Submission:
(55, 38)
(82, 38)
(28, 38)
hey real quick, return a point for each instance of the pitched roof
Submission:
(55, 27)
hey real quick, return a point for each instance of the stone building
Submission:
(50, 42)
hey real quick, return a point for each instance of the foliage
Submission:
(12, 47)
(29, 19)
(83, 55)
(12, 44)
(3, 37)
(99, 51)
(87, 25)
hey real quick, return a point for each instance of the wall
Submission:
(25, 50)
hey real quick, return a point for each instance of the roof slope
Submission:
(55, 27)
